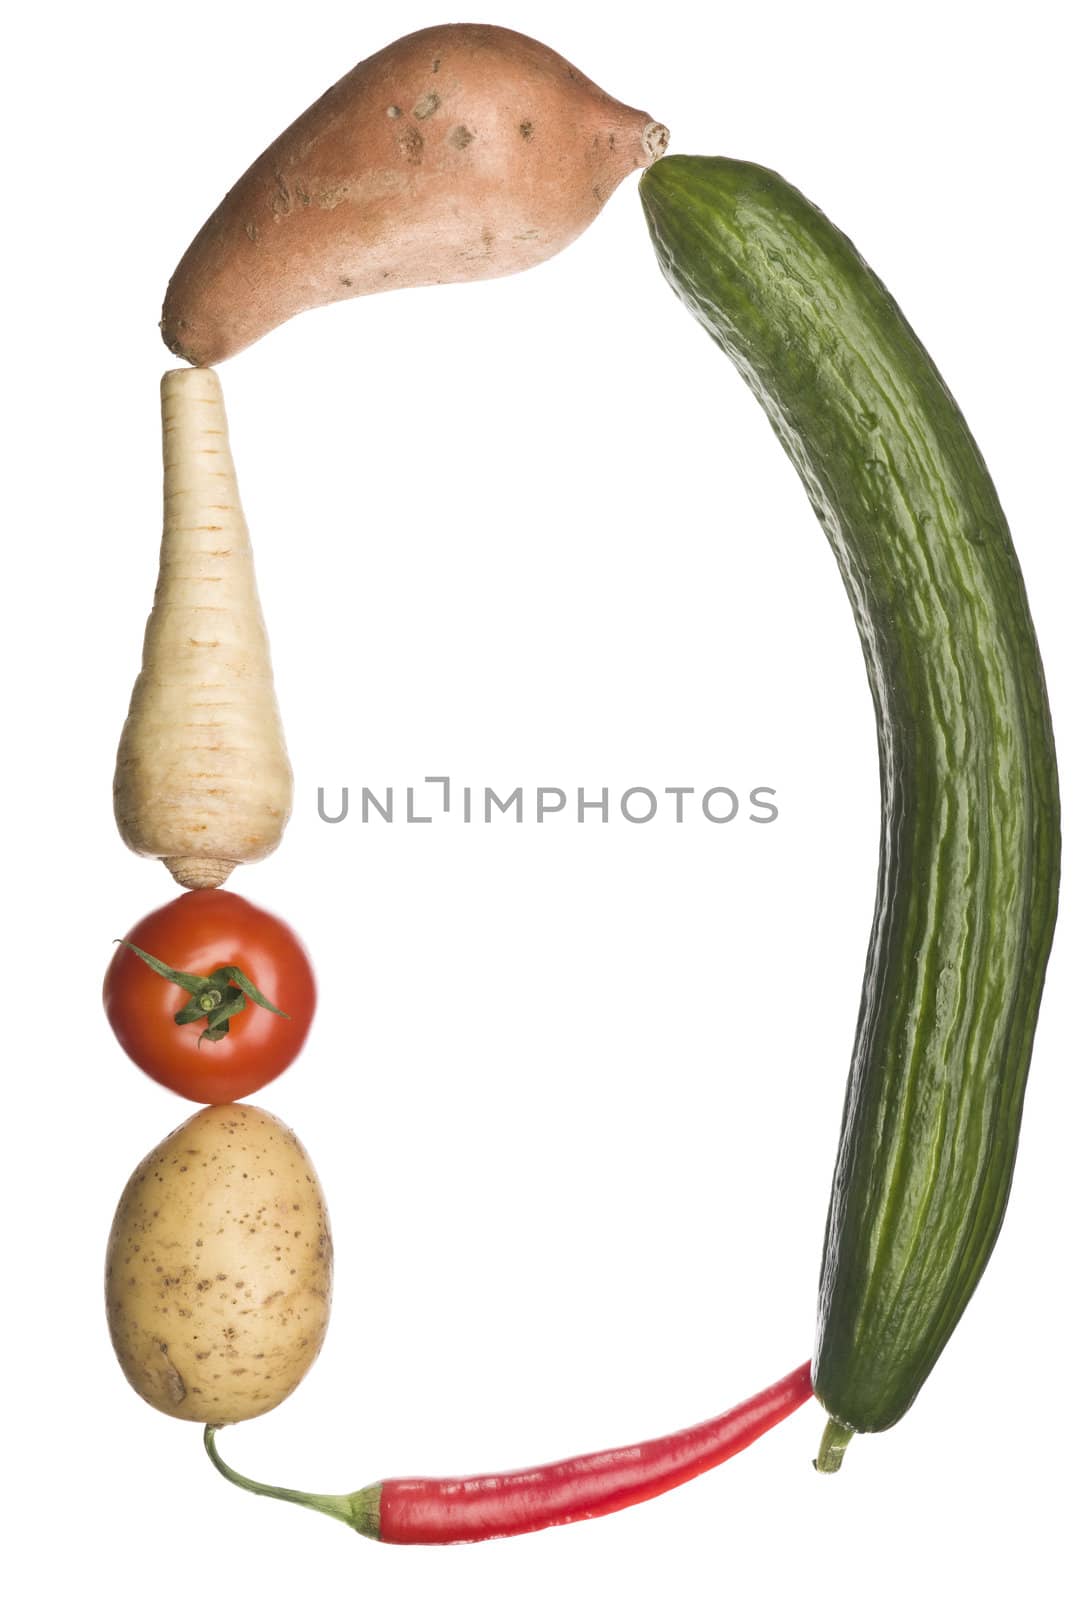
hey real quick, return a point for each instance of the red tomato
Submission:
(197, 933)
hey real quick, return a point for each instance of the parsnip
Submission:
(202, 780)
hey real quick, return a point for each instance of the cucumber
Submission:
(970, 840)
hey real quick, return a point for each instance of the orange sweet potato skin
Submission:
(460, 152)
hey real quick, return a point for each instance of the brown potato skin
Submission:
(219, 1268)
(458, 153)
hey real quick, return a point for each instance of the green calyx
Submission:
(215, 999)
(361, 1510)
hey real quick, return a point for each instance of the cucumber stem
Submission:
(836, 1435)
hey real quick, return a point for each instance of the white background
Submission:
(573, 1091)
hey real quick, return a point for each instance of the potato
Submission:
(219, 1268)
(458, 153)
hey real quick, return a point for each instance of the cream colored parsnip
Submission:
(219, 1268)
(202, 779)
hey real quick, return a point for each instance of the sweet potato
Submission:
(458, 153)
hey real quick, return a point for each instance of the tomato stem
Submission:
(215, 999)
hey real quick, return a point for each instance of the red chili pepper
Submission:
(459, 1510)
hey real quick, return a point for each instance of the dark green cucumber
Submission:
(969, 857)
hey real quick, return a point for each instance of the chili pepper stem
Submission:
(836, 1435)
(360, 1510)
